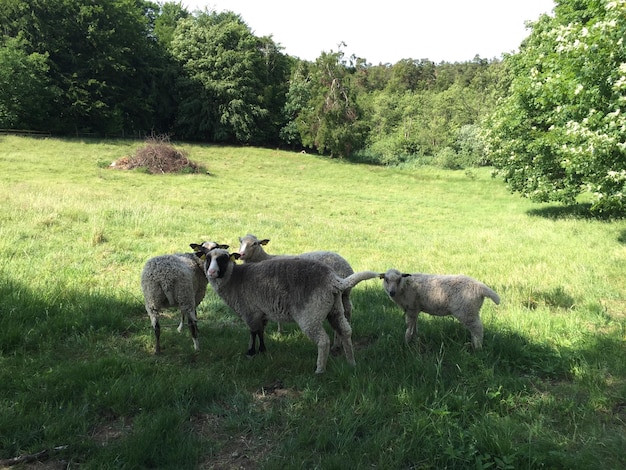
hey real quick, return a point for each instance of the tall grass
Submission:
(547, 391)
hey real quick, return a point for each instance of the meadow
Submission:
(79, 380)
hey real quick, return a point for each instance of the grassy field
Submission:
(77, 374)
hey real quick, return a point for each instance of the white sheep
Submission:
(285, 289)
(440, 295)
(175, 280)
(251, 251)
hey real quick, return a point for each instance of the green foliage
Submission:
(231, 87)
(102, 62)
(325, 108)
(166, 21)
(561, 131)
(26, 94)
(433, 111)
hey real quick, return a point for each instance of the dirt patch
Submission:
(270, 394)
(245, 450)
(111, 430)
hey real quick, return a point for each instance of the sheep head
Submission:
(202, 249)
(249, 245)
(392, 280)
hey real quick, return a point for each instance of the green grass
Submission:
(547, 391)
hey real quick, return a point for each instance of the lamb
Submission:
(285, 289)
(251, 251)
(175, 280)
(456, 295)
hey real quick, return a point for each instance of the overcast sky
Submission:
(389, 30)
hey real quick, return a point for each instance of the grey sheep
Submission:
(175, 280)
(440, 295)
(251, 251)
(285, 289)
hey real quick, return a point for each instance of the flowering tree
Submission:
(561, 131)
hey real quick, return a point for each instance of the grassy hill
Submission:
(548, 390)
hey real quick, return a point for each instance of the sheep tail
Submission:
(352, 280)
(488, 292)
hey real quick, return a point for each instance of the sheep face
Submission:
(249, 245)
(392, 281)
(217, 261)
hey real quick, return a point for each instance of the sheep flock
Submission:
(308, 289)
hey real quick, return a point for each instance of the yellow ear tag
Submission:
(203, 257)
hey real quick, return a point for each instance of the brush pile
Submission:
(158, 155)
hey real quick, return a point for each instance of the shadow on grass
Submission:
(416, 400)
(32, 321)
(580, 211)
(557, 212)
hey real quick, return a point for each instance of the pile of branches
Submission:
(158, 155)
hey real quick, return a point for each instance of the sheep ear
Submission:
(199, 250)
(265, 241)
(223, 247)
(405, 275)
(234, 256)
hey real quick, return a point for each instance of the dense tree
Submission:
(167, 19)
(99, 57)
(231, 88)
(561, 132)
(410, 118)
(297, 100)
(25, 92)
(328, 116)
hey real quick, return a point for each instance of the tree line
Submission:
(548, 117)
(77, 66)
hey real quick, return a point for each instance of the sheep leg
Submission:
(347, 311)
(156, 327)
(252, 343)
(181, 324)
(318, 335)
(411, 325)
(192, 321)
(255, 332)
(475, 327)
(343, 330)
(261, 340)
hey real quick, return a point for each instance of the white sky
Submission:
(391, 30)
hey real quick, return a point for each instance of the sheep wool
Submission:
(285, 289)
(175, 280)
(440, 295)
(251, 251)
